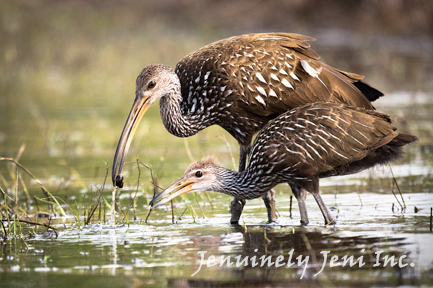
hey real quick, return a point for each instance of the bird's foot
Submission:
(330, 221)
(304, 222)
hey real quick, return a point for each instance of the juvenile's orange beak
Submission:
(139, 107)
(182, 186)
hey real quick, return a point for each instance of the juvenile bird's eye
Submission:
(198, 174)
(151, 84)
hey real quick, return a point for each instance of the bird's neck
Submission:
(176, 118)
(243, 185)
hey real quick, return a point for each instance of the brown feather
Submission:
(326, 139)
(259, 76)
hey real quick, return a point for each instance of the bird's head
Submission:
(154, 82)
(204, 175)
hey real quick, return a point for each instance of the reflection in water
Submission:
(113, 250)
(309, 245)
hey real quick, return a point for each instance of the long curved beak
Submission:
(139, 107)
(180, 187)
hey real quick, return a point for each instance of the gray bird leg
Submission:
(329, 219)
(313, 188)
(236, 208)
(269, 199)
(300, 195)
(291, 199)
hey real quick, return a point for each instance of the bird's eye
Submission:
(198, 174)
(151, 84)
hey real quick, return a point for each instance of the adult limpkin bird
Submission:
(298, 147)
(239, 83)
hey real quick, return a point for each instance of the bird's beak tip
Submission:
(139, 107)
(118, 182)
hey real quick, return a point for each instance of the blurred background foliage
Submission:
(68, 68)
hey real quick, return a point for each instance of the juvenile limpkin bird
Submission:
(239, 83)
(298, 147)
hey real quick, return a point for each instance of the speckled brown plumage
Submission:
(240, 84)
(298, 147)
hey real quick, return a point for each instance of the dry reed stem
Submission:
(44, 190)
(398, 188)
(188, 151)
(230, 150)
(93, 207)
(33, 223)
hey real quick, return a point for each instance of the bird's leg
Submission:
(329, 219)
(243, 153)
(269, 199)
(314, 189)
(301, 195)
(291, 198)
(236, 208)
(237, 205)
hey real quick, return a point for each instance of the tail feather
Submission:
(402, 139)
(388, 153)
(371, 93)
